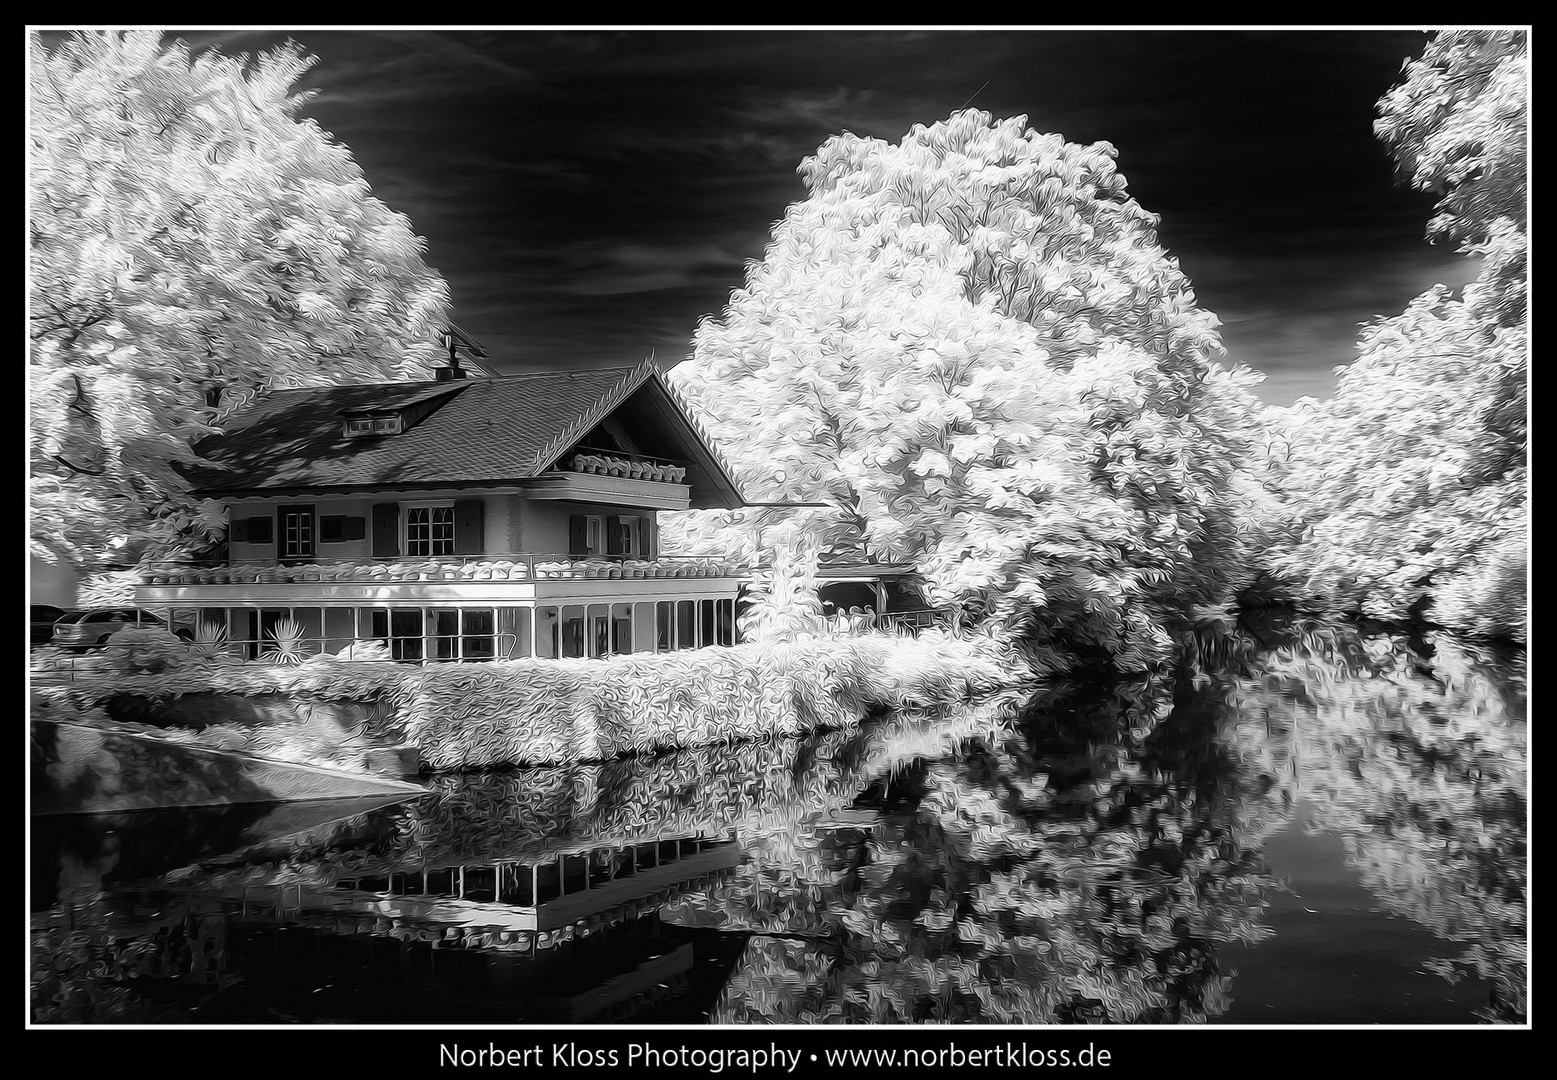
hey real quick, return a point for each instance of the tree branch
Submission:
(80, 403)
(78, 469)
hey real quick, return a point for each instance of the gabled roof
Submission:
(477, 432)
(401, 396)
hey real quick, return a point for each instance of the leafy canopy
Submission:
(191, 241)
(1410, 486)
(973, 348)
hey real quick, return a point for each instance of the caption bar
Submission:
(764, 1058)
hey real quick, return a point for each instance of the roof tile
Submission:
(482, 431)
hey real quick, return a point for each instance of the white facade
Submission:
(553, 578)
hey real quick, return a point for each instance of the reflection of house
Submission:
(461, 519)
(567, 936)
(299, 912)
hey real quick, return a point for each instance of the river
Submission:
(1324, 826)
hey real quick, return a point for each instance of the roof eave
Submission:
(729, 492)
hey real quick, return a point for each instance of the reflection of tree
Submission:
(769, 790)
(1084, 867)
(1415, 752)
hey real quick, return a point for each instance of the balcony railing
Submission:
(630, 467)
(508, 567)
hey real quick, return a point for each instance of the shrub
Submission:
(363, 650)
(143, 650)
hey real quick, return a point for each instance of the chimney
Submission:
(453, 371)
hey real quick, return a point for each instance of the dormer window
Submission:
(387, 411)
(364, 424)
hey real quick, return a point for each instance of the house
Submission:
(459, 519)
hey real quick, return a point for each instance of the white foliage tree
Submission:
(1410, 486)
(972, 346)
(191, 241)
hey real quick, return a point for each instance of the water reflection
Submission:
(1084, 865)
(1096, 855)
(1415, 754)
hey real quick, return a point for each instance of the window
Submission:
(622, 536)
(599, 629)
(402, 628)
(463, 633)
(664, 626)
(548, 634)
(477, 634)
(429, 530)
(513, 632)
(613, 536)
(686, 624)
(621, 628)
(297, 531)
(726, 618)
(586, 536)
(373, 425)
(572, 631)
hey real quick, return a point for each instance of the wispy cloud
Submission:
(593, 192)
(605, 268)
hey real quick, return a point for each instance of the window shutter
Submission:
(331, 529)
(261, 530)
(578, 535)
(354, 528)
(238, 531)
(648, 538)
(386, 530)
(469, 518)
(616, 543)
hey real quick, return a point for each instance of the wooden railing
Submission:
(505, 567)
(628, 466)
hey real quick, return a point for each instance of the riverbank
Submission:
(357, 715)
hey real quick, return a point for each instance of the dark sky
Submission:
(590, 194)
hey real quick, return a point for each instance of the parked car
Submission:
(41, 631)
(86, 629)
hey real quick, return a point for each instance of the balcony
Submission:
(657, 470)
(507, 567)
(495, 579)
(591, 476)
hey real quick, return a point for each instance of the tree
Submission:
(972, 346)
(1457, 124)
(192, 241)
(1410, 485)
